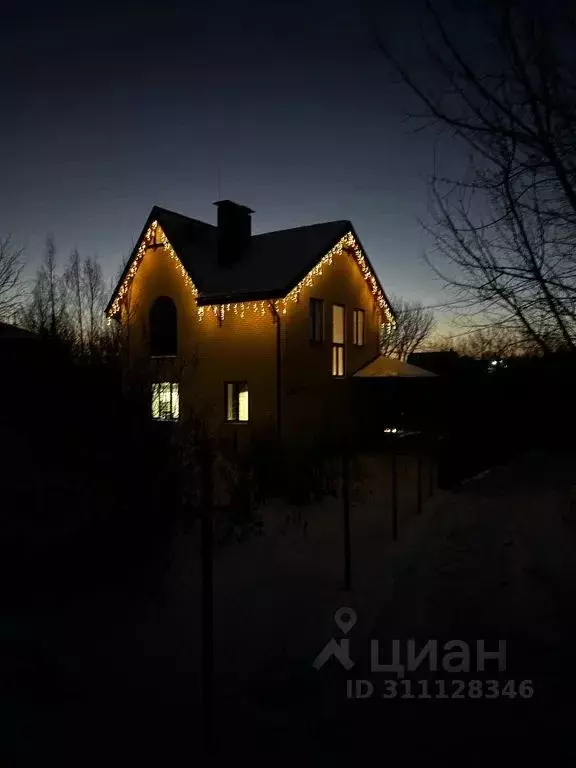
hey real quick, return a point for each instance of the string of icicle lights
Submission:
(346, 244)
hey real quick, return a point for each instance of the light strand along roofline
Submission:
(347, 243)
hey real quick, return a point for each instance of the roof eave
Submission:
(346, 227)
(232, 298)
(153, 215)
(378, 283)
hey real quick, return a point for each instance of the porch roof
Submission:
(384, 367)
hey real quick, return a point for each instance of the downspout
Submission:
(278, 373)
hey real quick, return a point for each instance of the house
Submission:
(258, 335)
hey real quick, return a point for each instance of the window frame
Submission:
(238, 388)
(174, 409)
(316, 306)
(339, 347)
(358, 340)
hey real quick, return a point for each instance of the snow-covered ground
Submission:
(495, 559)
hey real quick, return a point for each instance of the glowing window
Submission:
(165, 401)
(338, 326)
(337, 360)
(236, 401)
(358, 328)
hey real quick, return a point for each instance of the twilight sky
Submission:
(109, 109)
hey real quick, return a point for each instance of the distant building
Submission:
(441, 363)
(14, 336)
(20, 362)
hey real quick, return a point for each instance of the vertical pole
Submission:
(276, 320)
(346, 521)
(394, 496)
(419, 483)
(431, 475)
(207, 556)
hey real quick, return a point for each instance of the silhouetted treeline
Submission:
(488, 409)
(66, 305)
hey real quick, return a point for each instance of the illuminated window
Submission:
(236, 401)
(338, 316)
(358, 328)
(163, 328)
(317, 320)
(337, 360)
(165, 401)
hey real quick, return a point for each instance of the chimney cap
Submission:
(231, 203)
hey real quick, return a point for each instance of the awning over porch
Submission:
(383, 367)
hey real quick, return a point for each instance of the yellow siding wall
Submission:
(244, 349)
(315, 401)
(210, 353)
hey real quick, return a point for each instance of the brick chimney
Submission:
(234, 231)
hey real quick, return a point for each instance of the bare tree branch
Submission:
(11, 286)
(505, 230)
(414, 324)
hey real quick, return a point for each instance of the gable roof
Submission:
(274, 264)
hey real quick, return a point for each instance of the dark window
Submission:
(358, 329)
(236, 404)
(317, 320)
(163, 328)
(338, 338)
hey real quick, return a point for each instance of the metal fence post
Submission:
(419, 483)
(394, 495)
(346, 518)
(207, 558)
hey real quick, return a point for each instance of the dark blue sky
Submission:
(108, 110)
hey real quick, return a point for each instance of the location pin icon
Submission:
(345, 619)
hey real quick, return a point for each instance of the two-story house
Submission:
(255, 334)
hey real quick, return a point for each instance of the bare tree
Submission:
(93, 286)
(414, 324)
(46, 311)
(505, 229)
(73, 279)
(485, 343)
(52, 284)
(11, 266)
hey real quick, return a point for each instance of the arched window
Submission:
(163, 327)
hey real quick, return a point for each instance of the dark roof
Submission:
(12, 332)
(274, 264)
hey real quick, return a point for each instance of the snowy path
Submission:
(496, 560)
(117, 676)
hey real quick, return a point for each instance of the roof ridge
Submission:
(260, 234)
(161, 209)
(305, 226)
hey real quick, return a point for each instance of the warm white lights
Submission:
(347, 244)
(154, 232)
